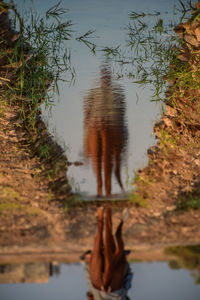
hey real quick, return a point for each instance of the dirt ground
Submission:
(32, 215)
(31, 222)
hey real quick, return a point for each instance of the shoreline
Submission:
(37, 206)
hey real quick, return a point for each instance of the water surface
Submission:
(110, 20)
(67, 123)
(153, 281)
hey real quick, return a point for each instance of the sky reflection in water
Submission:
(68, 116)
(152, 281)
(109, 19)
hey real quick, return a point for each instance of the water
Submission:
(109, 20)
(153, 281)
(66, 122)
(107, 130)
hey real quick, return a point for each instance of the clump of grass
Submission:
(167, 139)
(74, 199)
(152, 48)
(144, 182)
(50, 195)
(36, 62)
(39, 59)
(138, 200)
(43, 150)
(2, 107)
(9, 199)
(186, 202)
(32, 210)
(9, 206)
(9, 193)
(188, 257)
(193, 250)
(148, 51)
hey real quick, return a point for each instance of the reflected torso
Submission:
(105, 130)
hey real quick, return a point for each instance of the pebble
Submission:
(157, 214)
(191, 40)
(185, 229)
(170, 208)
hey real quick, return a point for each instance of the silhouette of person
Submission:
(107, 270)
(105, 131)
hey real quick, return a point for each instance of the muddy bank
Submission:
(172, 175)
(34, 190)
(30, 180)
(74, 233)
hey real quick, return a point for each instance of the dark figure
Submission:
(108, 272)
(105, 131)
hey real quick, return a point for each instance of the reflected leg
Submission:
(118, 142)
(96, 262)
(109, 250)
(94, 140)
(117, 159)
(119, 252)
(119, 261)
(107, 158)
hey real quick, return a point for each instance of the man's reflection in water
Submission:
(105, 131)
(107, 270)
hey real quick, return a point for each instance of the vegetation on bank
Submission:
(188, 257)
(188, 201)
(178, 130)
(33, 60)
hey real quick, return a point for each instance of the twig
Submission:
(4, 79)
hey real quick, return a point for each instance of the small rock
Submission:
(143, 234)
(183, 57)
(190, 39)
(169, 80)
(187, 27)
(179, 30)
(197, 162)
(173, 220)
(171, 208)
(185, 229)
(167, 121)
(197, 33)
(170, 111)
(156, 214)
(78, 163)
(175, 172)
(187, 189)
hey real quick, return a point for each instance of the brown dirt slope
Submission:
(172, 175)
(32, 219)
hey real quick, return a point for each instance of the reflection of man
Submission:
(107, 270)
(105, 132)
